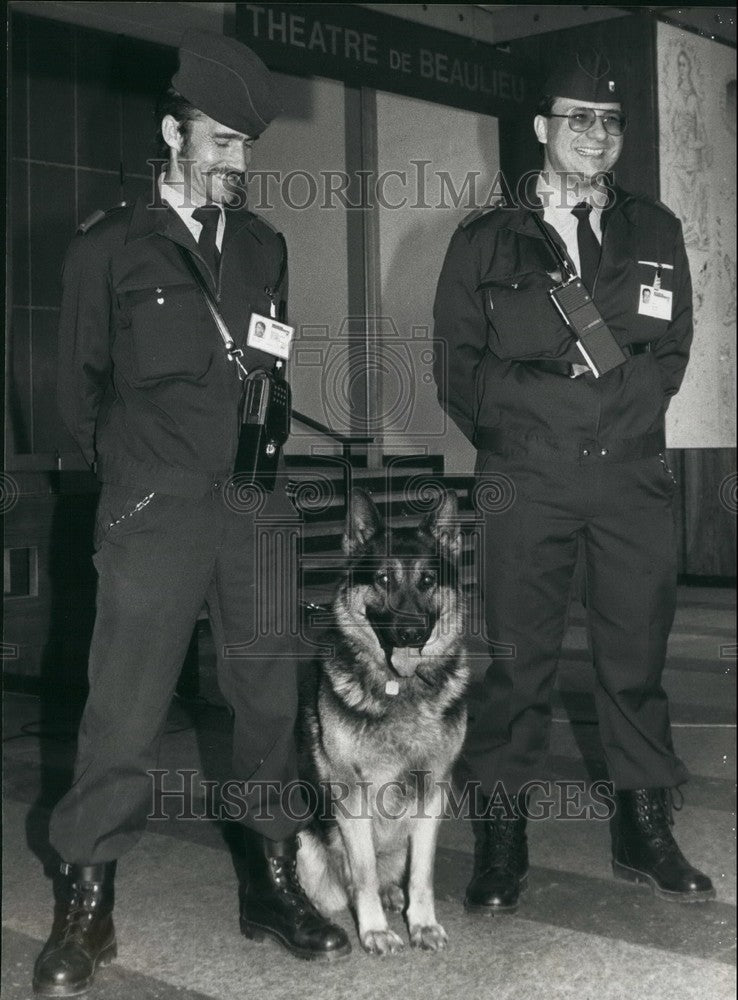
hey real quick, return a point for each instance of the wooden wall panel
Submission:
(81, 129)
(47, 633)
(709, 504)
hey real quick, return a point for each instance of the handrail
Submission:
(344, 439)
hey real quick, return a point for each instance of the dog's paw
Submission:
(393, 899)
(431, 938)
(381, 942)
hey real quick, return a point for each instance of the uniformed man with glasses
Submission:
(543, 313)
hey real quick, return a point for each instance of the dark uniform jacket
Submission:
(493, 314)
(144, 385)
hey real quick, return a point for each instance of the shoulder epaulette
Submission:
(97, 216)
(660, 204)
(261, 221)
(480, 213)
(265, 222)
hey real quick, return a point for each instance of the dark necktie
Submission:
(208, 217)
(589, 246)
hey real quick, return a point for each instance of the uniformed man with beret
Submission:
(575, 441)
(151, 395)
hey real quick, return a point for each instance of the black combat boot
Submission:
(644, 849)
(500, 864)
(82, 936)
(273, 902)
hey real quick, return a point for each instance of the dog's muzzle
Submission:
(409, 636)
(412, 636)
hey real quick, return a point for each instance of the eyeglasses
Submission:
(582, 119)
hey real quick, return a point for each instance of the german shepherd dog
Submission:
(384, 725)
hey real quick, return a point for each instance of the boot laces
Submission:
(288, 882)
(655, 815)
(83, 904)
(500, 842)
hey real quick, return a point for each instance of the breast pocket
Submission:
(169, 332)
(522, 319)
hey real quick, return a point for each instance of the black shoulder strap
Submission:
(272, 291)
(234, 353)
(283, 266)
(561, 259)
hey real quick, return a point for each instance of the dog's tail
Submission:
(318, 876)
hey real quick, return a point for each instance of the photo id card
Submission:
(654, 302)
(266, 334)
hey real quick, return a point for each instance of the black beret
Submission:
(584, 76)
(226, 81)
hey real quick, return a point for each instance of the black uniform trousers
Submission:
(536, 508)
(159, 558)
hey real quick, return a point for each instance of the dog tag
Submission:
(391, 687)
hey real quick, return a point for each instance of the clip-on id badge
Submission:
(266, 333)
(653, 300)
(269, 335)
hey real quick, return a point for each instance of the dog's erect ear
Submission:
(362, 523)
(443, 524)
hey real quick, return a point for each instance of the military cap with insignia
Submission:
(584, 76)
(226, 81)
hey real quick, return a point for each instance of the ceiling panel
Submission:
(520, 20)
(712, 22)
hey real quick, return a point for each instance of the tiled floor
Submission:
(578, 933)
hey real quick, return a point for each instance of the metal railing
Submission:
(347, 441)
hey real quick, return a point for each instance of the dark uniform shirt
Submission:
(492, 312)
(144, 385)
